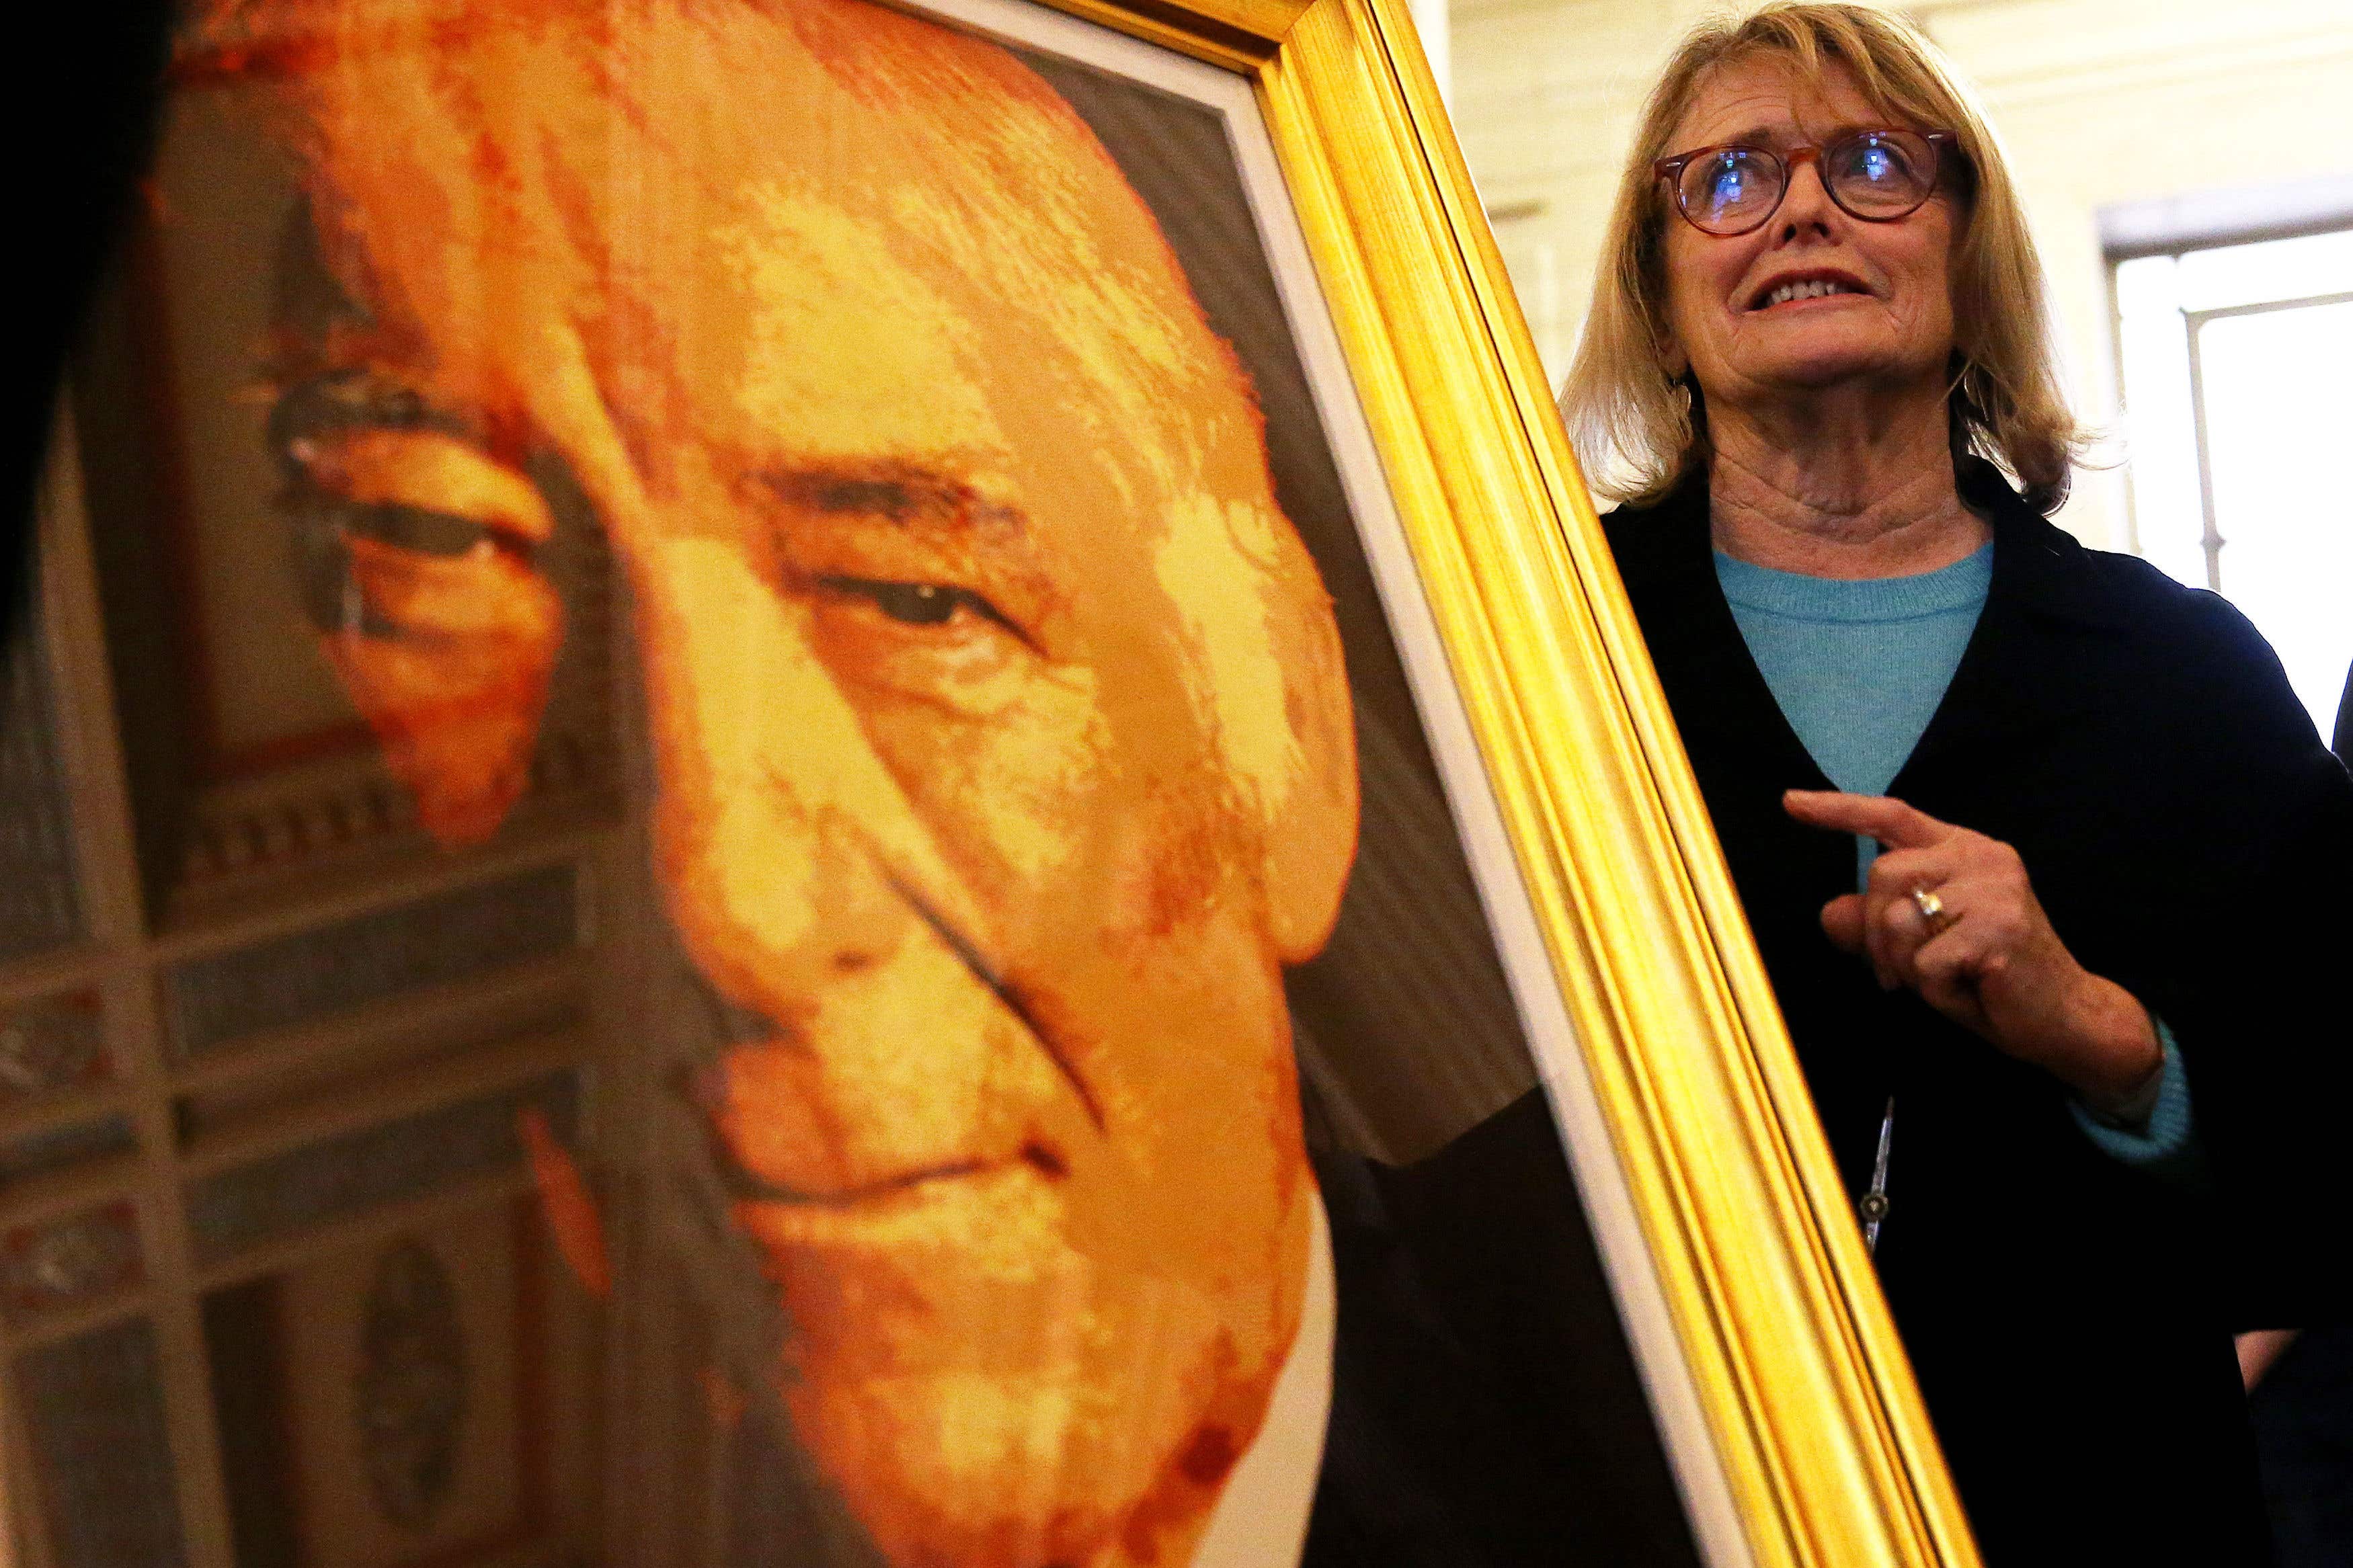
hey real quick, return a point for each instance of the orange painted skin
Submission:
(1002, 744)
(570, 1208)
(456, 697)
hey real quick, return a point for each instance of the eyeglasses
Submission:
(1875, 175)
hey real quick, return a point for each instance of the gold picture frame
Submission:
(1806, 1393)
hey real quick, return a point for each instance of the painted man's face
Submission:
(1000, 736)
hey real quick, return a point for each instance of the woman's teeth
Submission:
(1813, 290)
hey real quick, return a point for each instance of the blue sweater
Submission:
(1858, 668)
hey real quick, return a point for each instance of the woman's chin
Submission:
(1810, 373)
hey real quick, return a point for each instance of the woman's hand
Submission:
(1988, 957)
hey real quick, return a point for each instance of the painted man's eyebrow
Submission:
(908, 495)
(319, 409)
(349, 400)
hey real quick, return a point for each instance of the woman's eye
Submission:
(1729, 182)
(1878, 163)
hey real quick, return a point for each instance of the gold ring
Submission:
(1932, 908)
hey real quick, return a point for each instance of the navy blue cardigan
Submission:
(2068, 1318)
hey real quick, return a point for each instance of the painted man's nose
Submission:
(789, 855)
(855, 1031)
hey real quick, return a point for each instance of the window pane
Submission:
(2148, 285)
(2278, 406)
(2159, 428)
(2272, 269)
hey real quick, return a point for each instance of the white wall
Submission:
(2097, 101)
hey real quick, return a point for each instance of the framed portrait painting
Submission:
(1145, 980)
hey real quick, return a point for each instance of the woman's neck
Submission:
(1839, 493)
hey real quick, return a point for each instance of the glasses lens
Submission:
(1731, 190)
(1881, 174)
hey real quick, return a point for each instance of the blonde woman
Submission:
(2043, 857)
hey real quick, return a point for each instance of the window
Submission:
(2238, 390)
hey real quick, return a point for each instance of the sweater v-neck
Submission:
(1859, 666)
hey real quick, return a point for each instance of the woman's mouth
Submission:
(1797, 289)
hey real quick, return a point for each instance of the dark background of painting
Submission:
(1406, 1031)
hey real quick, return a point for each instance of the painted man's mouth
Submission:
(739, 1181)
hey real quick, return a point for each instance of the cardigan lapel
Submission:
(2007, 689)
(1744, 754)
(1723, 707)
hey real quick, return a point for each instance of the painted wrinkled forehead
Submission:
(592, 144)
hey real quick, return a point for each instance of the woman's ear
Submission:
(1672, 361)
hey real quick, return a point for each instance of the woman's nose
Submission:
(1807, 198)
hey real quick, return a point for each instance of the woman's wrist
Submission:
(2113, 1053)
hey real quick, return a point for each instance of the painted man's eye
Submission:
(438, 534)
(407, 532)
(916, 604)
(419, 531)
(938, 647)
(349, 555)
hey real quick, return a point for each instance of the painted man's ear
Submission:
(1310, 830)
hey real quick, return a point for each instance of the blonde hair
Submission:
(1640, 431)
